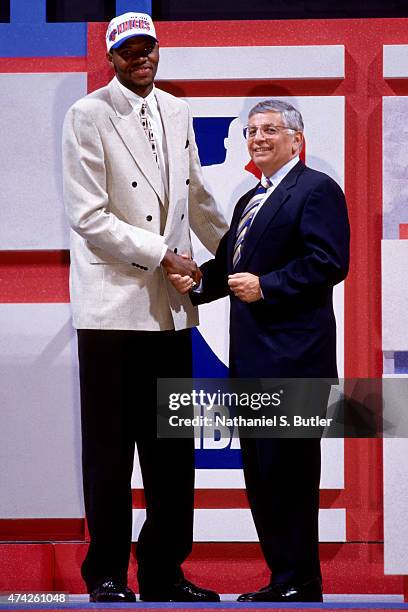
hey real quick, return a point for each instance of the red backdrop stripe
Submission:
(42, 64)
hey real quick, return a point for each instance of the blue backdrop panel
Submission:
(141, 6)
(29, 35)
(210, 133)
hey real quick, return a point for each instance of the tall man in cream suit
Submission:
(132, 187)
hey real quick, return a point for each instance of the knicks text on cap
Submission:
(127, 25)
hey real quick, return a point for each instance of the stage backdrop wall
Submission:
(333, 72)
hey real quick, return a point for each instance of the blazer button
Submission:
(134, 184)
(149, 218)
(187, 181)
(182, 216)
(175, 250)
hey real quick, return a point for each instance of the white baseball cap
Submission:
(126, 26)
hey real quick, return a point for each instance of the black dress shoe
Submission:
(112, 591)
(182, 591)
(308, 591)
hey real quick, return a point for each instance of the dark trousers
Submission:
(118, 372)
(282, 477)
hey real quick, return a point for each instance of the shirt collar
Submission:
(137, 101)
(283, 171)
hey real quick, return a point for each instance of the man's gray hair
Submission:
(291, 117)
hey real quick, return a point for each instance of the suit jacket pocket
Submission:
(123, 281)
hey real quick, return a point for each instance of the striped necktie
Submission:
(247, 217)
(145, 121)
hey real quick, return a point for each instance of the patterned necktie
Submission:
(247, 217)
(145, 121)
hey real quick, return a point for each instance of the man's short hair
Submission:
(291, 117)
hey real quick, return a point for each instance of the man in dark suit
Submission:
(287, 246)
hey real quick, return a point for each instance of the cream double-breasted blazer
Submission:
(121, 217)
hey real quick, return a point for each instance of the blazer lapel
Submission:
(266, 214)
(170, 121)
(130, 130)
(171, 126)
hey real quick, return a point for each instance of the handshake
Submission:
(184, 274)
(182, 271)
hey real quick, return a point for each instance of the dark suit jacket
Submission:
(298, 245)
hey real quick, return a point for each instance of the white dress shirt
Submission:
(276, 179)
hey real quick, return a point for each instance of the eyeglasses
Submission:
(267, 130)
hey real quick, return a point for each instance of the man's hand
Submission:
(181, 265)
(183, 284)
(245, 286)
